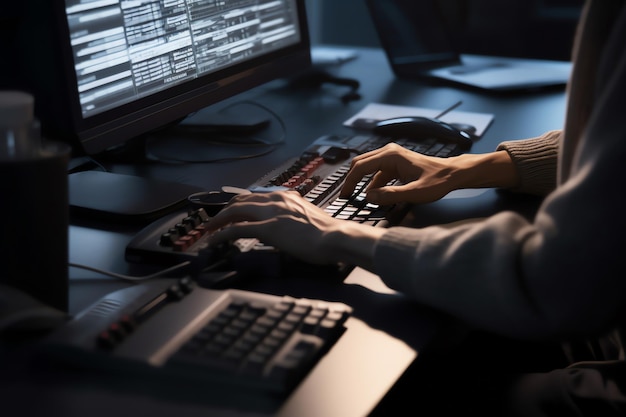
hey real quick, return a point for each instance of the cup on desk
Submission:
(34, 207)
(35, 218)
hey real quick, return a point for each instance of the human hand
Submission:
(425, 178)
(287, 221)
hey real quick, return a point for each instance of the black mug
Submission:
(34, 209)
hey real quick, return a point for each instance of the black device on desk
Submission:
(416, 127)
(116, 71)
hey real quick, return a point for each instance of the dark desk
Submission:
(308, 113)
(398, 328)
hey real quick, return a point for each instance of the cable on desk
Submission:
(215, 265)
(130, 277)
(84, 163)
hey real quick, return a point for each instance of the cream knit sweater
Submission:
(559, 276)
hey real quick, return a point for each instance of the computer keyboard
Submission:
(317, 174)
(238, 340)
(320, 171)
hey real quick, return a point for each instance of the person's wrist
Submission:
(494, 169)
(353, 243)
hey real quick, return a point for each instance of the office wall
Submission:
(528, 28)
(344, 22)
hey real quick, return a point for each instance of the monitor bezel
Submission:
(114, 127)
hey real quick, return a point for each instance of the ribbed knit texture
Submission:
(536, 161)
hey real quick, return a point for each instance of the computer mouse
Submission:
(417, 127)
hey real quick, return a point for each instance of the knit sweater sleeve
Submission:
(555, 275)
(536, 162)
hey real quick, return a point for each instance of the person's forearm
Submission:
(353, 243)
(489, 170)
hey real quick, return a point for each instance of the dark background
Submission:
(517, 28)
(520, 28)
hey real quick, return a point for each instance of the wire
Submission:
(85, 165)
(449, 109)
(163, 272)
(95, 162)
(276, 117)
(130, 277)
(215, 265)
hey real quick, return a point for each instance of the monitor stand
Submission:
(107, 196)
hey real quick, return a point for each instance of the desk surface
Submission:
(402, 327)
(309, 112)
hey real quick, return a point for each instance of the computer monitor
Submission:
(106, 71)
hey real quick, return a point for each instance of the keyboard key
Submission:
(278, 343)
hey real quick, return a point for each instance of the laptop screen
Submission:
(413, 34)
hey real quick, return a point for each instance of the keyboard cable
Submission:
(131, 277)
(158, 274)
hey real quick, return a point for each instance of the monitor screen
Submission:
(116, 69)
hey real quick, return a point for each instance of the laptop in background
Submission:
(417, 44)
